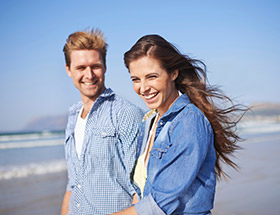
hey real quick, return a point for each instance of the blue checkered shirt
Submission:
(100, 179)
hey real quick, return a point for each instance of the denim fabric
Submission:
(181, 169)
(99, 180)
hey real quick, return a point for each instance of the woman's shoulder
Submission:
(191, 114)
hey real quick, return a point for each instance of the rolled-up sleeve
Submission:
(148, 206)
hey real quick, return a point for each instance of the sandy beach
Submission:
(33, 195)
(254, 189)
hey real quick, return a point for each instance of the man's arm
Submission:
(65, 203)
(135, 199)
(129, 121)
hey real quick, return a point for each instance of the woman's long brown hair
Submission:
(192, 80)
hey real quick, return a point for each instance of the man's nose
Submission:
(89, 72)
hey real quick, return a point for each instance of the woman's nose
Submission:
(144, 87)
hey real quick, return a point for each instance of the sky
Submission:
(237, 40)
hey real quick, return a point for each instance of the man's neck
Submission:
(87, 104)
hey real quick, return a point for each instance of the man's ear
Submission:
(68, 71)
(174, 74)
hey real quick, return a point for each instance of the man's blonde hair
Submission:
(85, 40)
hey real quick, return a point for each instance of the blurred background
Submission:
(237, 40)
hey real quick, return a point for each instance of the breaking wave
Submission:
(32, 169)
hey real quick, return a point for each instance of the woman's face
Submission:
(153, 84)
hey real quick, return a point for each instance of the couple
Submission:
(168, 164)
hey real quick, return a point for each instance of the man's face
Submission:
(87, 72)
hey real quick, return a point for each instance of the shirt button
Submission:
(79, 186)
(77, 168)
(103, 133)
(78, 205)
(161, 123)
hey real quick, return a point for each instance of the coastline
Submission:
(253, 189)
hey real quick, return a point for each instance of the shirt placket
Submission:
(78, 186)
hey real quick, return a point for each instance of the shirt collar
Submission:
(105, 94)
(181, 102)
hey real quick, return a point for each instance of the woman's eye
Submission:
(152, 77)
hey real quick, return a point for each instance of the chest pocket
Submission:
(102, 143)
(158, 152)
(162, 143)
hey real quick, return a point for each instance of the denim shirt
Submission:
(99, 179)
(181, 168)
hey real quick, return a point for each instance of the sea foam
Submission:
(33, 169)
(30, 144)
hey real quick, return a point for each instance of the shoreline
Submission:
(253, 190)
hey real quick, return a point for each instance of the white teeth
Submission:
(88, 83)
(150, 96)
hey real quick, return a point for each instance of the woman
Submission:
(183, 143)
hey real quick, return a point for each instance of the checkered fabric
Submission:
(100, 179)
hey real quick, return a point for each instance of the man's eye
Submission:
(134, 79)
(96, 67)
(81, 68)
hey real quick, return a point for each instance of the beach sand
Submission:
(33, 195)
(255, 189)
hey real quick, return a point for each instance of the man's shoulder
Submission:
(121, 103)
(75, 107)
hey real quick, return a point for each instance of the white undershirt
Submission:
(80, 132)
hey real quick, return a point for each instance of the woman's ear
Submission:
(174, 74)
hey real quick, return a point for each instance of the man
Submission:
(100, 135)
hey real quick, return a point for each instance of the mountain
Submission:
(47, 123)
(266, 109)
(259, 111)
(263, 111)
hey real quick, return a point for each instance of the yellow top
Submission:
(140, 173)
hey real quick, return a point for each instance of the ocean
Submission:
(27, 154)
(33, 173)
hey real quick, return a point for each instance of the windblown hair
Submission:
(192, 80)
(85, 40)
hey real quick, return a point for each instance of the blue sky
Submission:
(238, 41)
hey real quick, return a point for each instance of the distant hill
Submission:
(265, 109)
(259, 111)
(47, 123)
